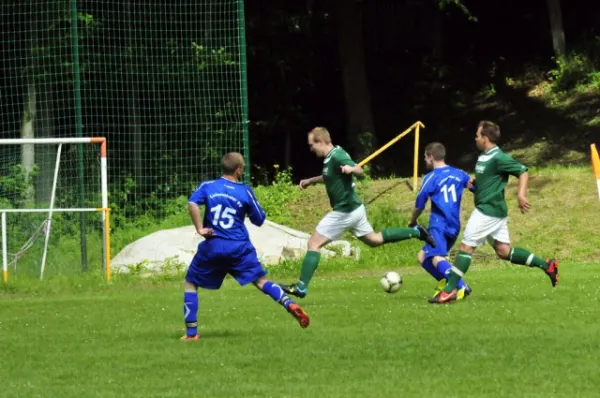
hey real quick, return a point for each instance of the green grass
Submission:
(76, 335)
(515, 336)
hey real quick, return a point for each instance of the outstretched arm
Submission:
(311, 181)
(356, 170)
(414, 217)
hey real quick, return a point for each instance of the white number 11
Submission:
(447, 190)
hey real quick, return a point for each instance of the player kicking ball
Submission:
(444, 185)
(227, 248)
(348, 212)
(489, 218)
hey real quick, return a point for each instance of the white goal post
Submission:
(102, 208)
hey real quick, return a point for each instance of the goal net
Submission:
(54, 206)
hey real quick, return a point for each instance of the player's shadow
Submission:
(211, 334)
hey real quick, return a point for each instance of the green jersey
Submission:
(491, 176)
(340, 186)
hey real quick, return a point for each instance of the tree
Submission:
(556, 26)
(359, 116)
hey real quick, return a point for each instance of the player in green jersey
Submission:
(348, 212)
(489, 218)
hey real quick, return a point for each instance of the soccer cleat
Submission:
(190, 338)
(468, 290)
(298, 313)
(443, 297)
(552, 271)
(440, 286)
(294, 290)
(425, 235)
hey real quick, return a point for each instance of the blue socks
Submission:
(190, 312)
(276, 293)
(442, 271)
(446, 268)
(434, 271)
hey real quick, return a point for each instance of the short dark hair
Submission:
(231, 162)
(490, 130)
(437, 150)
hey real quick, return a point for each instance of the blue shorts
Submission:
(443, 243)
(217, 257)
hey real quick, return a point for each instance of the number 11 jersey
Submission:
(445, 186)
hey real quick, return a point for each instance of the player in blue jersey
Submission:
(444, 185)
(227, 248)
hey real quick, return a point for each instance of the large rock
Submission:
(173, 249)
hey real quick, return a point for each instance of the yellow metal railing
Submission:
(416, 127)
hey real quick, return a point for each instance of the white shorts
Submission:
(335, 223)
(481, 227)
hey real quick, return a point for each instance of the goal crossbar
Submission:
(104, 209)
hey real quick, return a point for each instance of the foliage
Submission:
(575, 70)
(16, 187)
(276, 197)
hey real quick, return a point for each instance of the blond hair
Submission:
(321, 134)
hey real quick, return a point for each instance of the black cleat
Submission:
(425, 235)
(552, 271)
(294, 290)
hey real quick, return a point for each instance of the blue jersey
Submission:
(444, 186)
(226, 205)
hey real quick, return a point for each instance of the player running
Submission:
(227, 248)
(348, 212)
(444, 185)
(489, 218)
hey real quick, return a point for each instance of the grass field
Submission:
(76, 335)
(515, 336)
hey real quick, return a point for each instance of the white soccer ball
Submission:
(391, 282)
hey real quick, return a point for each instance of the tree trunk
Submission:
(45, 154)
(136, 139)
(436, 32)
(287, 160)
(28, 131)
(556, 25)
(359, 116)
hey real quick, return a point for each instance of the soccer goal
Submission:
(60, 179)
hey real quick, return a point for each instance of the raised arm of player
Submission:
(311, 181)
(356, 170)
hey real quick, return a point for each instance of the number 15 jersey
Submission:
(226, 205)
(445, 186)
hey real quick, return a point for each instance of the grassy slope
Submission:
(562, 221)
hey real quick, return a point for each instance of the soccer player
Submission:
(227, 248)
(348, 212)
(489, 218)
(444, 185)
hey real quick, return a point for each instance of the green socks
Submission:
(524, 257)
(398, 234)
(309, 266)
(460, 267)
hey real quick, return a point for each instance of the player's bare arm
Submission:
(311, 181)
(356, 170)
(522, 193)
(196, 216)
(471, 184)
(414, 217)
